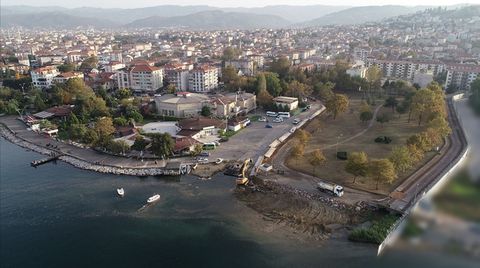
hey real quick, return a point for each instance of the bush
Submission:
(383, 139)
(342, 155)
(375, 233)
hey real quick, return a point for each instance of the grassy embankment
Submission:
(326, 132)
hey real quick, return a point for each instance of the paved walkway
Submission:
(88, 155)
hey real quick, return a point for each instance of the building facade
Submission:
(43, 77)
(203, 79)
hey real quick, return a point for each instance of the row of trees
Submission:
(381, 170)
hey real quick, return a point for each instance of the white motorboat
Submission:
(120, 192)
(154, 198)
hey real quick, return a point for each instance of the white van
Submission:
(284, 114)
(272, 114)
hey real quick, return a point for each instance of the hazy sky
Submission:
(225, 3)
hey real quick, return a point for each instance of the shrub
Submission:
(383, 139)
(342, 155)
(375, 233)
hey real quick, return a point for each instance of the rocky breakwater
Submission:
(315, 216)
(83, 164)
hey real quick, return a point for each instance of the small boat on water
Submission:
(154, 198)
(120, 192)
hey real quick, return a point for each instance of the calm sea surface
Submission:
(59, 216)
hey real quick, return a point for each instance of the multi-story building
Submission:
(43, 77)
(203, 79)
(405, 70)
(142, 78)
(460, 76)
(177, 75)
(245, 66)
(64, 77)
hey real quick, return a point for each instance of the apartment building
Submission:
(460, 76)
(64, 77)
(177, 75)
(43, 77)
(245, 66)
(203, 79)
(405, 70)
(141, 78)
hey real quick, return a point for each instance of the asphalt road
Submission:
(253, 141)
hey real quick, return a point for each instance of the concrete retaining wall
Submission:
(431, 189)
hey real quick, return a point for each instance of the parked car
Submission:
(278, 120)
(262, 119)
(204, 154)
(296, 121)
(202, 160)
(268, 126)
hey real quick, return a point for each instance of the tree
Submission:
(263, 97)
(280, 66)
(123, 93)
(197, 149)
(230, 53)
(383, 118)
(206, 111)
(171, 88)
(366, 116)
(416, 154)
(391, 102)
(303, 136)
(90, 136)
(373, 76)
(316, 158)
(337, 104)
(66, 68)
(274, 87)
(120, 121)
(421, 102)
(297, 89)
(162, 144)
(140, 143)
(324, 90)
(132, 113)
(357, 165)
(298, 150)
(440, 124)
(77, 131)
(401, 158)
(89, 63)
(104, 127)
(382, 170)
(420, 141)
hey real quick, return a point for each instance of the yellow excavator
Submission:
(243, 180)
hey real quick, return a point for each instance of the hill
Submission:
(358, 15)
(213, 20)
(51, 20)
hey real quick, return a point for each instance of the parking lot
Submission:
(254, 140)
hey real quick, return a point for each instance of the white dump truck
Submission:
(332, 188)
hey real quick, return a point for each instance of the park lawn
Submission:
(325, 131)
(460, 197)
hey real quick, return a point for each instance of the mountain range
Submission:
(198, 17)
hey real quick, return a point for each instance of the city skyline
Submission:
(234, 3)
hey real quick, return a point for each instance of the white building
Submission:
(43, 77)
(203, 79)
(141, 78)
(245, 66)
(64, 77)
(177, 75)
(291, 103)
(460, 76)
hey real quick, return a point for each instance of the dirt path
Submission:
(370, 125)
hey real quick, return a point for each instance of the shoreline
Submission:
(10, 136)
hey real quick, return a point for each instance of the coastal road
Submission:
(413, 188)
